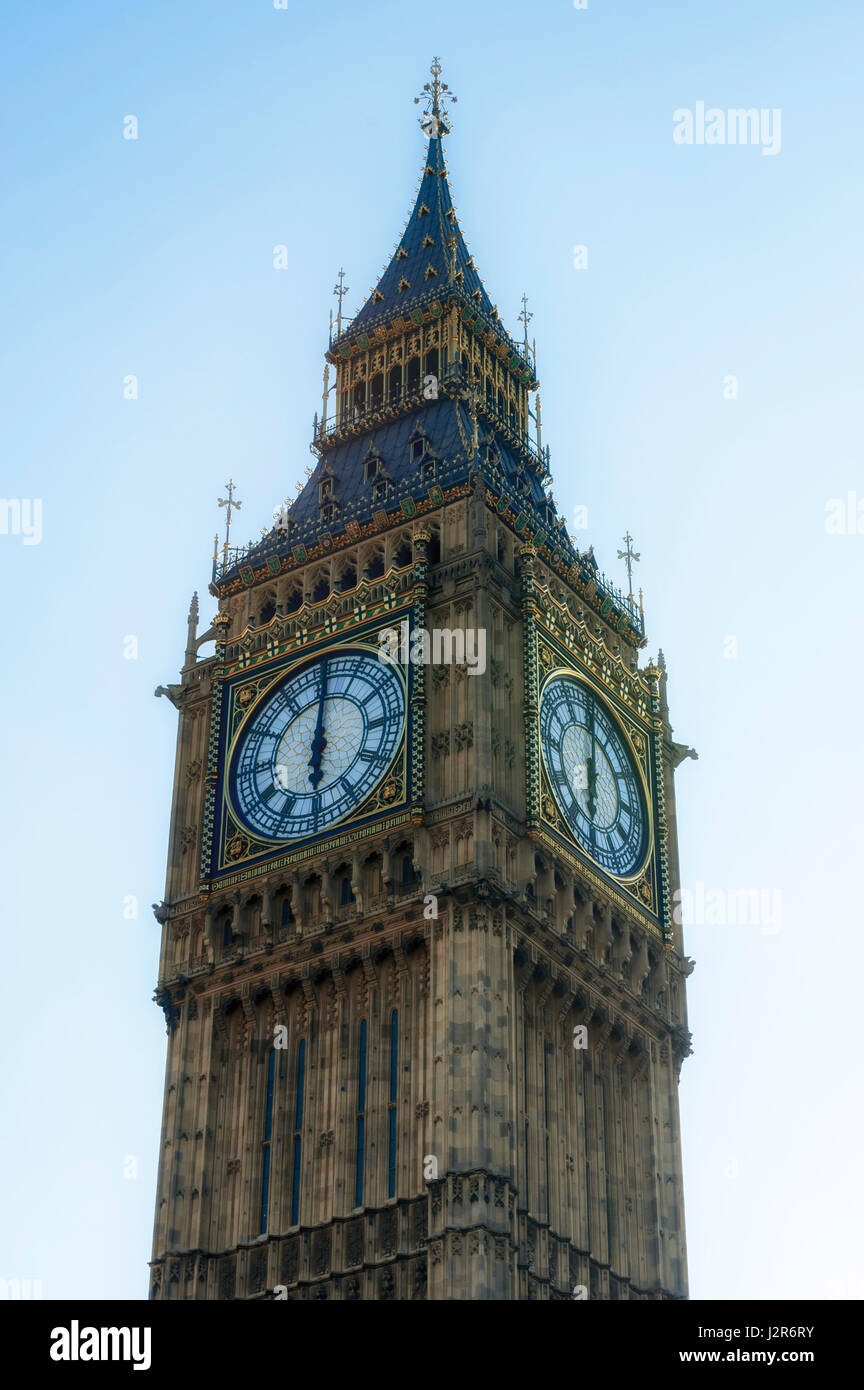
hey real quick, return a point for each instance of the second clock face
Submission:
(317, 745)
(593, 775)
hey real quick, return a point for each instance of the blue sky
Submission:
(261, 127)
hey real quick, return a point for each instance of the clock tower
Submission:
(424, 989)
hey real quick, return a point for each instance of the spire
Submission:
(431, 258)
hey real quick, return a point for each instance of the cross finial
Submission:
(231, 505)
(340, 291)
(628, 555)
(525, 317)
(435, 120)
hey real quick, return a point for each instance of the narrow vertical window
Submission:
(546, 1047)
(391, 1120)
(265, 1145)
(585, 1125)
(609, 1220)
(361, 1119)
(525, 1101)
(298, 1128)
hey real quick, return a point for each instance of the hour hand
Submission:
(319, 742)
(592, 786)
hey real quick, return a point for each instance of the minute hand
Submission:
(592, 771)
(319, 742)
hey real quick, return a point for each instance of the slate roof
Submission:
(446, 426)
(420, 268)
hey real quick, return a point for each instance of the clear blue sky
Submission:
(153, 257)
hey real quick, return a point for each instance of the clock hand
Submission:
(319, 742)
(592, 771)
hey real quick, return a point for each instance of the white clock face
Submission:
(593, 775)
(317, 745)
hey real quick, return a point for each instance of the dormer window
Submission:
(372, 469)
(379, 492)
(418, 448)
(325, 489)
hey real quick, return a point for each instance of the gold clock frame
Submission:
(285, 674)
(554, 673)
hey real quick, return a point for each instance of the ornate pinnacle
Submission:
(628, 555)
(435, 120)
(340, 290)
(231, 504)
(525, 318)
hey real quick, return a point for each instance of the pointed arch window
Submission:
(527, 1130)
(265, 1143)
(412, 375)
(391, 1112)
(547, 1047)
(361, 1119)
(297, 1146)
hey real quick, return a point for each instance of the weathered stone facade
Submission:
(557, 1167)
(376, 1087)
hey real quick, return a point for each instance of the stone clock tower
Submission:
(424, 991)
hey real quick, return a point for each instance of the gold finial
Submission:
(435, 120)
(232, 505)
(628, 555)
(472, 405)
(340, 291)
(452, 260)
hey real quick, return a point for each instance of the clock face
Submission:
(317, 745)
(593, 776)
